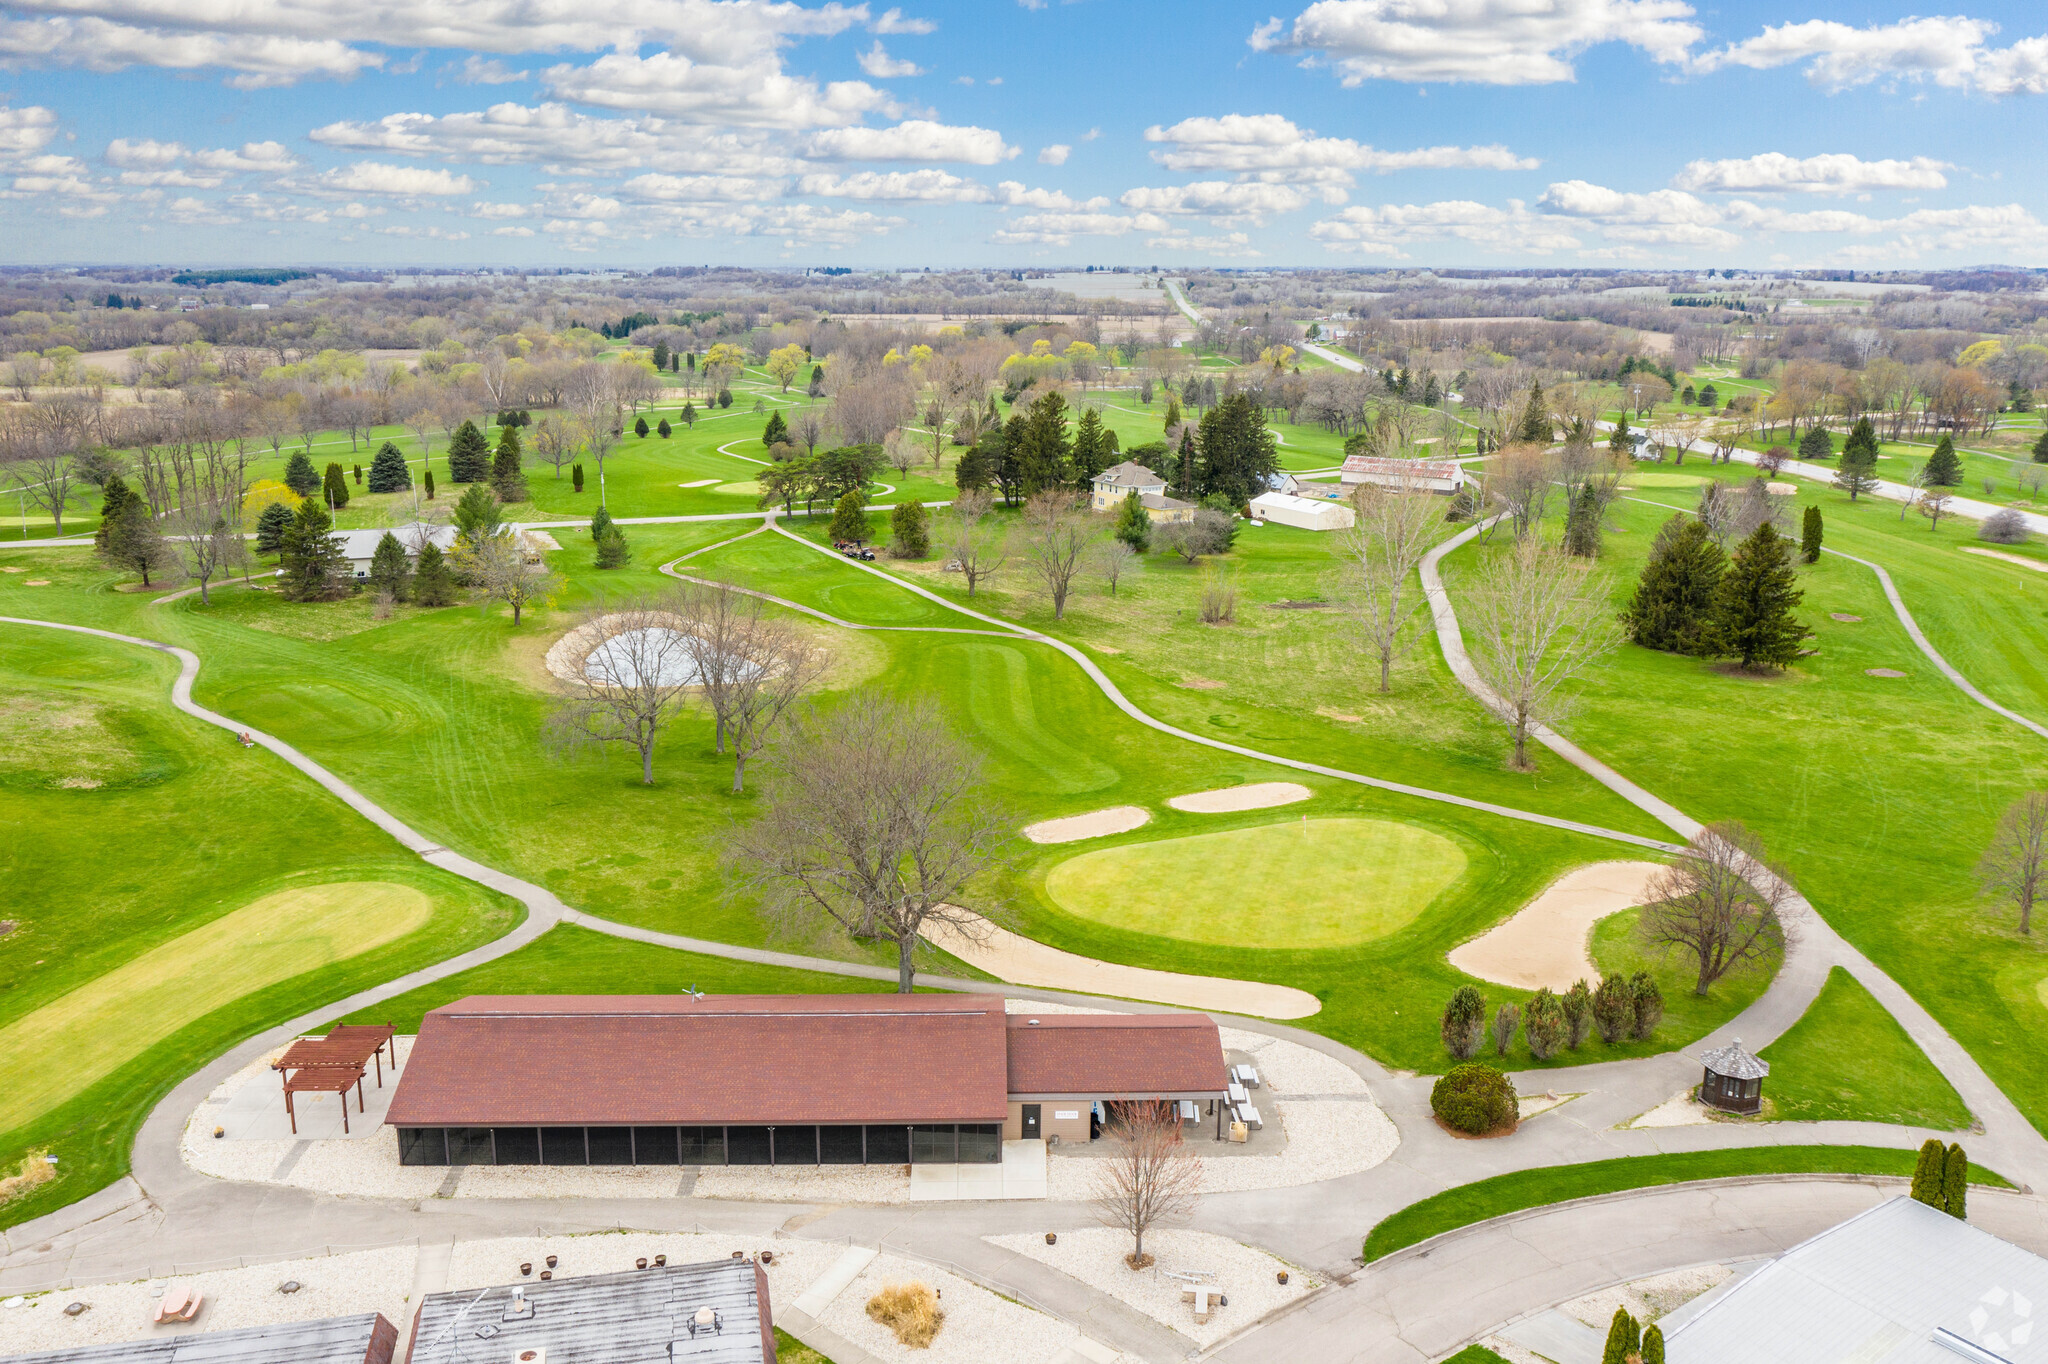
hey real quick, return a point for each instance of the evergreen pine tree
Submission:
(432, 583)
(1582, 524)
(299, 474)
(390, 572)
(131, 540)
(663, 429)
(1955, 1184)
(1045, 455)
(469, 455)
(777, 430)
(611, 548)
(1464, 1022)
(1239, 457)
(1862, 442)
(334, 488)
(910, 533)
(1857, 473)
(1709, 396)
(1653, 1345)
(725, 397)
(1944, 470)
(1091, 446)
(2041, 449)
(117, 497)
(1674, 597)
(660, 356)
(598, 521)
(1810, 535)
(1624, 1338)
(1133, 526)
(270, 527)
(1535, 425)
(1930, 1172)
(311, 556)
(1816, 444)
(1173, 417)
(507, 480)
(688, 416)
(388, 473)
(358, 471)
(1752, 615)
(1689, 397)
(1185, 473)
(976, 466)
(1621, 444)
(640, 427)
(850, 518)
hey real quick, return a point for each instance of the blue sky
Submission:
(1365, 132)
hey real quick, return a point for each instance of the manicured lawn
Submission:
(790, 1350)
(1295, 883)
(1503, 1194)
(1847, 1058)
(1475, 1354)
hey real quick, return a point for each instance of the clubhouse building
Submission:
(779, 1079)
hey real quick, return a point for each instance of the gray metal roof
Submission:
(634, 1317)
(1899, 1284)
(333, 1340)
(1735, 1063)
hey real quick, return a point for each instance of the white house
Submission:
(360, 546)
(1430, 475)
(1119, 481)
(1308, 513)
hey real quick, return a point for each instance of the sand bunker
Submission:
(1020, 961)
(605, 650)
(1883, 672)
(2034, 564)
(1845, 618)
(1117, 819)
(1782, 489)
(1545, 944)
(1257, 796)
(699, 483)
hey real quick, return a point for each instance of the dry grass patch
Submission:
(911, 1310)
(33, 1170)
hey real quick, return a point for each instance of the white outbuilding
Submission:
(360, 546)
(1307, 513)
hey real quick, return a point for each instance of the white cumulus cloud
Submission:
(892, 21)
(1220, 200)
(1829, 173)
(477, 70)
(1490, 42)
(877, 62)
(257, 60)
(1388, 229)
(1272, 147)
(911, 140)
(926, 186)
(1949, 50)
(377, 177)
(1055, 155)
(758, 94)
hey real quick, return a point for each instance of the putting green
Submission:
(1313, 883)
(1646, 478)
(747, 488)
(74, 1040)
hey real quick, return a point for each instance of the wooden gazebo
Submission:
(1734, 1079)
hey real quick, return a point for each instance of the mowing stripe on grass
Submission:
(1503, 1194)
(77, 1038)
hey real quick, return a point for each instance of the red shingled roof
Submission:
(621, 1060)
(1115, 1055)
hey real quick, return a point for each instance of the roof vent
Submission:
(535, 1355)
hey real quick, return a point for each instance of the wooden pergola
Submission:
(334, 1063)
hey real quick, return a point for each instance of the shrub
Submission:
(299, 475)
(1930, 1171)
(1219, 599)
(599, 519)
(427, 482)
(1545, 1024)
(611, 548)
(1464, 1022)
(664, 430)
(1624, 1338)
(359, 475)
(1955, 1183)
(1506, 1023)
(2006, 526)
(909, 530)
(1653, 1345)
(1578, 1014)
(1649, 1004)
(335, 487)
(911, 1310)
(640, 427)
(1614, 1008)
(1816, 443)
(1475, 1099)
(576, 478)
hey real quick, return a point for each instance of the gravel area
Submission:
(1680, 1110)
(1291, 1068)
(1326, 1139)
(1248, 1277)
(331, 1286)
(365, 1169)
(565, 1181)
(1646, 1299)
(480, 1264)
(980, 1327)
(801, 1184)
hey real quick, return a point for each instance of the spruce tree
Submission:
(1624, 1338)
(689, 413)
(640, 427)
(611, 548)
(1944, 470)
(432, 583)
(777, 430)
(1810, 535)
(1173, 417)
(1709, 396)
(598, 521)
(270, 527)
(2041, 449)
(1816, 444)
(507, 480)
(1133, 526)
(1239, 458)
(1653, 1345)
(663, 429)
(311, 557)
(1752, 615)
(1857, 473)
(1955, 1184)
(725, 397)
(1092, 446)
(1862, 442)
(910, 535)
(130, 540)
(1582, 524)
(1674, 598)
(477, 514)
(469, 455)
(388, 473)
(334, 488)
(1930, 1171)
(850, 518)
(299, 474)
(116, 499)
(390, 572)
(1621, 444)
(1535, 425)
(976, 467)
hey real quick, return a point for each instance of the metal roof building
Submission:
(1899, 1284)
(713, 1313)
(365, 1339)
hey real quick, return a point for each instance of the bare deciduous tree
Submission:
(201, 495)
(979, 542)
(1393, 529)
(869, 408)
(1052, 543)
(2014, 867)
(1151, 1177)
(1538, 620)
(1523, 482)
(876, 819)
(1114, 558)
(1721, 902)
(752, 666)
(497, 564)
(632, 682)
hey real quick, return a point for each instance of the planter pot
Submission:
(1281, 1276)
(1052, 1238)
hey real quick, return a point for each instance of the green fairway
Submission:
(66, 1045)
(1301, 883)
(1503, 1194)
(1847, 1058)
